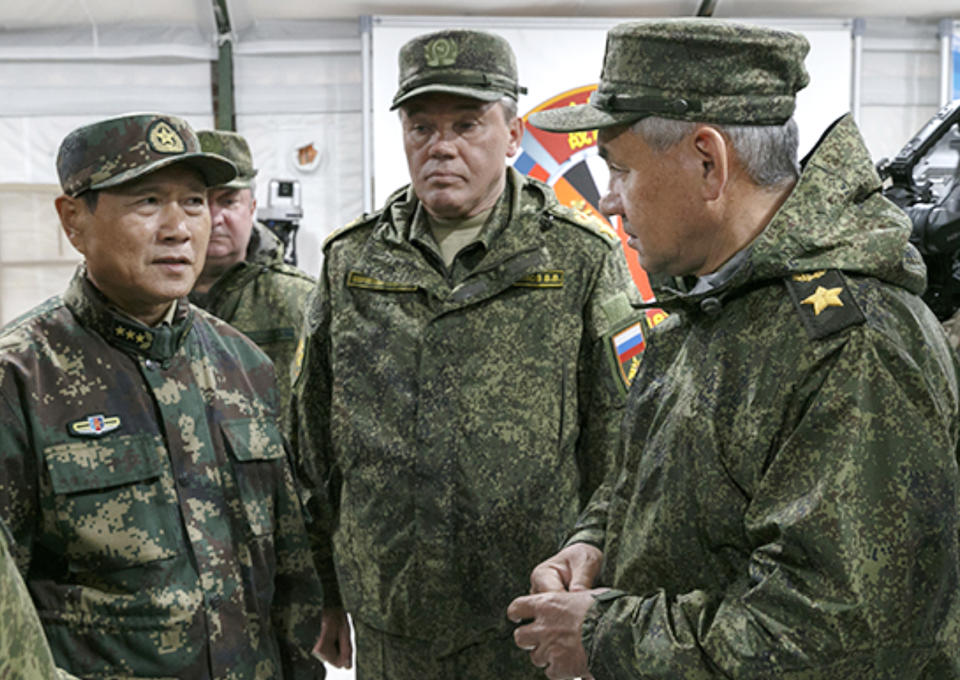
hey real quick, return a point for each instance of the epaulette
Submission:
(824, 302)
(586, 221)
(363, 219)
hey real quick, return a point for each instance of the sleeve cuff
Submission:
(592, 537)
(591, 622)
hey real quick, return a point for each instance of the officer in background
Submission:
(785, 500)
(461, 388)
(142, 472)
(244, 280)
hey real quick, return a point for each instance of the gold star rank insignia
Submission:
(813, 292)
(823, 298)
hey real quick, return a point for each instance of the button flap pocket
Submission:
(253, 439)
(96, 464)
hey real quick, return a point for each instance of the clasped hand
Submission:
(561, 594)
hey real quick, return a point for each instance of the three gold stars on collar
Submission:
(823, 298)
(142, 339)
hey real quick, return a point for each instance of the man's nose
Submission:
(174, 222)
(442, 144)
(610, 205)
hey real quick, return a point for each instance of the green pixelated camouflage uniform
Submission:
(787, 505)
(264, 298)
(171, 544)
(24, 652)
(451, 425)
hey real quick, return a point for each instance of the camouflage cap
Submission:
(117, 150)
(694, 69)
(233, 147)
(469, 63)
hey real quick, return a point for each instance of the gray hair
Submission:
(509, 105)
(768, 152)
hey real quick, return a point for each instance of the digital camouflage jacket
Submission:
(149, 493)
(265, 299)
(24, 652)
(453, 422)
(787, 504)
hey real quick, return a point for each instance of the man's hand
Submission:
(334, 644)
(553, 635)
(574, 568)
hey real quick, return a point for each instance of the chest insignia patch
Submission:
(358, 280)
(94, 426)
(551, 279)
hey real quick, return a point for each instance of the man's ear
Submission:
(72, 212)
(713, 154)
(516, 134)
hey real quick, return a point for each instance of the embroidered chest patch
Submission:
(93, 426)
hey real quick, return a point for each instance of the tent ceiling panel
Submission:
(27, 14)
(18, 15)
(303, 9)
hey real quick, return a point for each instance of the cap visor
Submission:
(235, 184)
(581, 117)
(461, 90)
(215, 169)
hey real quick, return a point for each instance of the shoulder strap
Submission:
(824, 302)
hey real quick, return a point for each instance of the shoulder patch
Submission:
(587, 222)
(824, 302)
(625, 347)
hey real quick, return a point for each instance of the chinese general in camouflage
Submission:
(142, 472)
(785, 499)
(461, 388)
(244, 280)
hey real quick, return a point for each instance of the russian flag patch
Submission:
(628, 344)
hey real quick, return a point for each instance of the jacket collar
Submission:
(515, 244)
(834, 218)
(94, 311)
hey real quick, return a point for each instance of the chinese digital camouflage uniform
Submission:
(787, 505)
(264, 298)
(146, 483)
(459, 422)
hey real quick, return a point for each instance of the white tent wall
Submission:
(900, 82)
(299, 84)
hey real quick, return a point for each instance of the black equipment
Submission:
(283, 214)
(924, 180)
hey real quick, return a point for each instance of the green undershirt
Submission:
(452, 235)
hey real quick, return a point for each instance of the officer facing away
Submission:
(784, 503)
